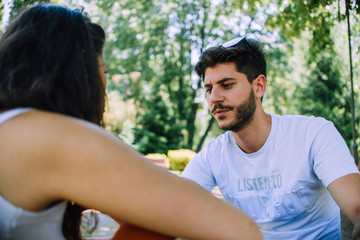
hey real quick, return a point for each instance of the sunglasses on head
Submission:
(81, 9)
(237, 42)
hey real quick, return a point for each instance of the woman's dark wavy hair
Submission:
(48, 61)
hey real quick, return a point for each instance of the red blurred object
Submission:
(131, 232)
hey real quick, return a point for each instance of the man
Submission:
(289, 173)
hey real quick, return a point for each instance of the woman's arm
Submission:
(78, 161)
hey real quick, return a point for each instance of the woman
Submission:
(55, 157)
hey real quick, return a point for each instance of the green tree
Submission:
(157, 39)
(316, 17)
(157, 129)
(162, 39)
(326, 95)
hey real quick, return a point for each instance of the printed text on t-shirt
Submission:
(260, 183)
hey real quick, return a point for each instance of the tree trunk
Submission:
(202, 140)
(191, 125)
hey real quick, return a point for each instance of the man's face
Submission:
(230, 96)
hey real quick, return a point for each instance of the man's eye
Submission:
(227, 85)
(208, 90)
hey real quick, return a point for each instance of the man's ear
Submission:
(259, 86)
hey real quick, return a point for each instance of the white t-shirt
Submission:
(283, 186)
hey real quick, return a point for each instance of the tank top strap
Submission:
(4, 116)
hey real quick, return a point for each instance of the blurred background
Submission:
(156, 103)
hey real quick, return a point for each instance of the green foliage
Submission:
(179, 158)
(161, 39)
(157, 38)
(18, 5)
(326, 95)
(278, 99)
(316, 17)
(157, 129)
(1, 16)
(119, 116)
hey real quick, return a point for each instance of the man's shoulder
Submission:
(300, 119)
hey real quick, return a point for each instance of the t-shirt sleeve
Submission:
(199, 170)
(330, 155)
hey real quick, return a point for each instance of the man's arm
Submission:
(346, 192)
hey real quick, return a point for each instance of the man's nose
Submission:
(215, 96)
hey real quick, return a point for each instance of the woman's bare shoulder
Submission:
(38, 148)
(42, 126)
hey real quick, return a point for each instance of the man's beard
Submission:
(244, 114)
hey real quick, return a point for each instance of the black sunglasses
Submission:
(81, 9)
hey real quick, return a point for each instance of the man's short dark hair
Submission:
(248, 56)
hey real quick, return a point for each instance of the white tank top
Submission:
(17, 223)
